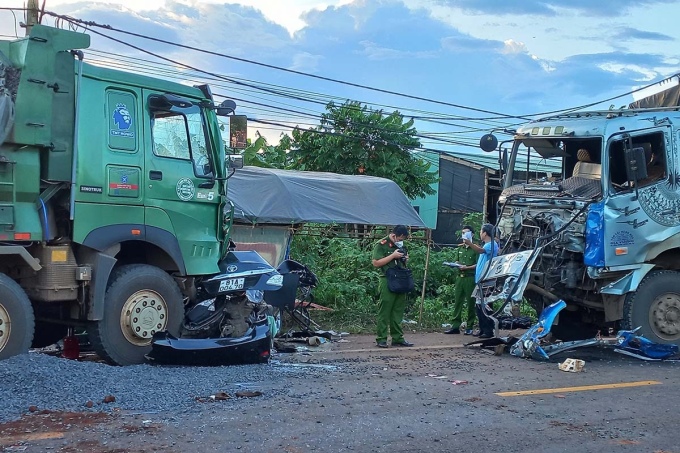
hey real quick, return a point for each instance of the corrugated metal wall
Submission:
(461, 191)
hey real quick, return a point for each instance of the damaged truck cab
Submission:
(601, 232)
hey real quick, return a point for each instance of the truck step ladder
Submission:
(7, 185)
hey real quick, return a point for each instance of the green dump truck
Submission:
(113, 207)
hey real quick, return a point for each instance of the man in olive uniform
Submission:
(465, 285)
(391, 306)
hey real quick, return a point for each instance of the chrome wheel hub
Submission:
(5, 327)
(143, 314)
(664, 316)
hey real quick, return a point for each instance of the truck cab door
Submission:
(638, 218)
(182, 195)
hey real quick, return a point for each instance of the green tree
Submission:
(356, 140)
(261, 154)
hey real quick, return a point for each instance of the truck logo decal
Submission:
(206, 196)
(123, 121)
(232, 268)
(91, 189)
(185, 189)
(634, 223)
(661, 203)
(627, 211)
(123, 185)
(622, 238)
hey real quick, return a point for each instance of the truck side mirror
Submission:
(488, 143)
(238, 131)
(636, 165)
(235, 161)
(227, 107)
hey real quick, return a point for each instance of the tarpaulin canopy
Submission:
(264, 195)
(669, 97)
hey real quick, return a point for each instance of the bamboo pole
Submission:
(428, 236)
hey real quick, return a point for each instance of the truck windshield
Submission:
(545, 160)
(182, 136)
(531, 165)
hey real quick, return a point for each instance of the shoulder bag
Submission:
(399, 279)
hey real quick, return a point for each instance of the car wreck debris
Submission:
(572, 365)
(533, 343)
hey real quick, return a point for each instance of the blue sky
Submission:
(513, 57)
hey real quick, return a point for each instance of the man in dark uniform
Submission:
(391, 306)
(466, 258)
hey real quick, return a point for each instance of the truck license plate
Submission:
(231, 284)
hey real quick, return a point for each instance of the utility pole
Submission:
(32, 15)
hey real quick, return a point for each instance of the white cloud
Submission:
(546, 65)
(374, 51)
(512, 46)
(646, 74)
(286, 13)
(305, 62)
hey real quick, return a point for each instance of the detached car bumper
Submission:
(253, 347)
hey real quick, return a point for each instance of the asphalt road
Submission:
(436, 396)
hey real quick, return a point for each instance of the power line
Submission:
(337, 134)
(317, 97)
(289, 111)
(278, 92)
(371, 126)
(89, 24)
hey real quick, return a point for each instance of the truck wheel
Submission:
(140, 300)
(655, 307)
(16, 319)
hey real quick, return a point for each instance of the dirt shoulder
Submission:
(435, 396)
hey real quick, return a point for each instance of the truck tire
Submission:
(140, 300)
(17, 322)
(655, 307)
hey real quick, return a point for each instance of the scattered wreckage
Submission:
(536, 343)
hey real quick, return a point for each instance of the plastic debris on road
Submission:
(572, 365)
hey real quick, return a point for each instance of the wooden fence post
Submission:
(428, 236)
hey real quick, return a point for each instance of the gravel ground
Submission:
(346, 396)
(57, 384)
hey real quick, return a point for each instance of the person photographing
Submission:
(389, 252)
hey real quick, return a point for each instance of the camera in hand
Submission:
(404, 252)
